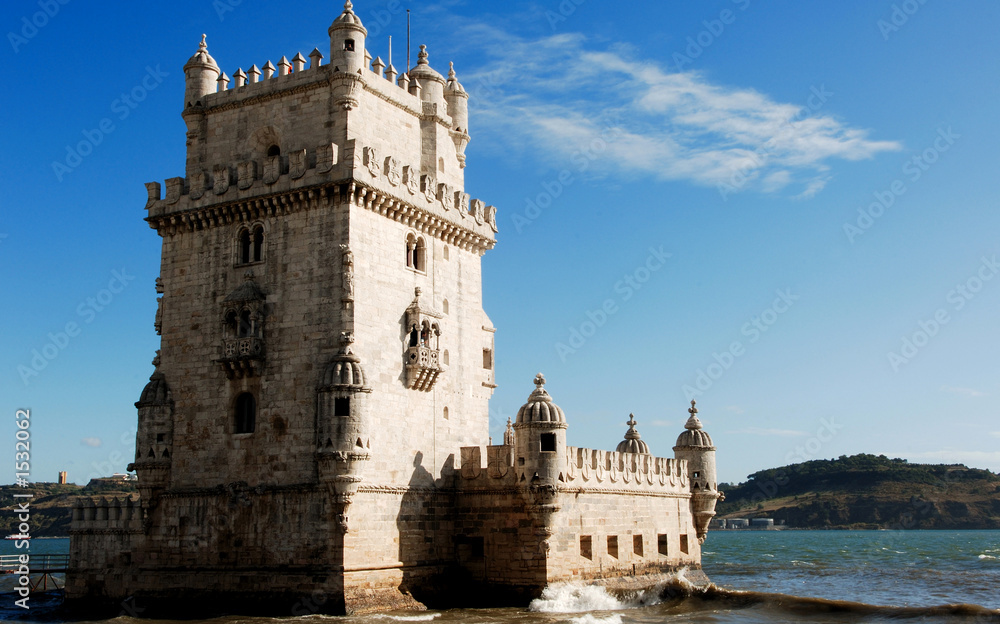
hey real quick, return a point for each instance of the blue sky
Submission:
(781, 209)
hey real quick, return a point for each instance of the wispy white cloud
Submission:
(967, 392)
(610, 111)
(91, 442)
(995, 434)
(664, 423)
(735, 409)
(778, 433)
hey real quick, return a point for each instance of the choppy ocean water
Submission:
(775, 576)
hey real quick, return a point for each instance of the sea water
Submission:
(821, 577)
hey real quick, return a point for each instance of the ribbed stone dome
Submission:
(423, 71)
(345, 370)
(540, 408)
(156, 392)
(633, 442)
(348, 18)
(693, 434)
(202, 58)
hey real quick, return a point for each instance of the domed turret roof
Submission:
(348, 19)
(423, 71)
(540, 408)
(345, 369)
(454, 86)
(156, 392)
(693, 434)
(202, 58)
(632, 442)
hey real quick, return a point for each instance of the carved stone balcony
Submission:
(242, 357)
(422, 368)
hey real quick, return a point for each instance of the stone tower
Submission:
(695, 446)
(324, 350)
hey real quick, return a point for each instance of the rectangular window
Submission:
(488, 359)
(548, 441)
(684, 544)
(661, 544)
(160, 437)
(586, 547)
(341, 407)
(349, 45)
(637, 545)
(613, 546)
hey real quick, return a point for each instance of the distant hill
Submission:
(52, 506)
(868, 492)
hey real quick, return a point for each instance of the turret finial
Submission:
(204, 42)
(348, 7)
(540, 381)
(693, 410)
(693, 422)
(423, 56)
(451, 71)
(631, 434)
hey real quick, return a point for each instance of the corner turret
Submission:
(633, 442)
(458, 109)
(695, 445)
(540, 439)
(347, 41)
(432, 83)
(201, 76)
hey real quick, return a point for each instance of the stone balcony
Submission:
(423, 366)
(242, 357)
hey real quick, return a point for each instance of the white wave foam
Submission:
(987, 557)
(575, 598)
(614, 618)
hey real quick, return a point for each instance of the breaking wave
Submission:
(678, 594)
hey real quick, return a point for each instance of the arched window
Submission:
(441, 164)
(411, 251)
(245, 413)
(245, 247)
(447, 254)
(274, 150)
(420, 256)
(232, 325)
(446, 413)
(258, 244)
(444, 306)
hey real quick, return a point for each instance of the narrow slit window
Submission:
(613, 546)
(586, 547)
(246, 413)
(637, 545)
(684, 544)
(245, 247)
(661, 544)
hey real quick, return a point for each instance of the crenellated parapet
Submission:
(234, 192)
(99, 515)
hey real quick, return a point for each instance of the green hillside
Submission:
(52, 506)
(868, 492)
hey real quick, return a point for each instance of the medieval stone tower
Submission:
(316, 420)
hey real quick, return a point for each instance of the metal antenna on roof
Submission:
(407, 41)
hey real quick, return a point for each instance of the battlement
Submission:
(404, 193)
(101, 514)
(585, 468)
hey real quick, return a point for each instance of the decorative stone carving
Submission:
(392, 171)
(463, 204)
(152, 193)
(326, 157)
(446, 195)
(479, 211)
(428, 186)
(491, 218)
(411, 178)
(221, 176)
(199, 183)
(272, 169)
(348, 278)
(371, 161)
(174, 188)
(247, 171)
(423, 362)
(298, 163)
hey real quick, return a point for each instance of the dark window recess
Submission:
(341, 407)
(661, 544)
(258, 244)
(613, 546)
(684, 544)
(246, 413)
(548, 441)
(274, 150)
(637, 545)
(160, 437)
(586, 547)
(349, 45)
(245, 247)
(488, 359)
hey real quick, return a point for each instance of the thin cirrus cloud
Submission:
(966, 392)
(91, 442)
(585, 108)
